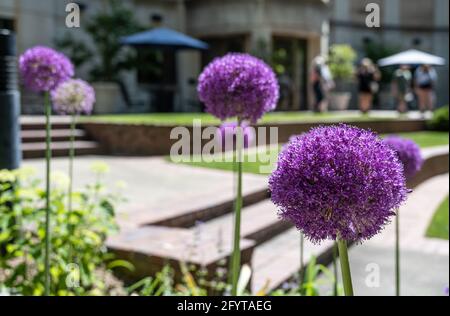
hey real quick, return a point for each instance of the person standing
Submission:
(402, 88)
(368, 77)
(425, 79)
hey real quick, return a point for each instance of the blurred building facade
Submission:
(289, 33)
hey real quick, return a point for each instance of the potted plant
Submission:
(105, 58)
(342, 66)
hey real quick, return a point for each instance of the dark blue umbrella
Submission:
(163, 38)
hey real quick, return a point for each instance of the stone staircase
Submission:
(203, 236)
(33, 138)
(265, 242)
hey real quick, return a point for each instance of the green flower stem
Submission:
(48, 157)
(301, 273)
(236, 256)
(397, 255)
(335, 271)
(71, 156)
(345, 267)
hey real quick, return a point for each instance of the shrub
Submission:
(440, 122)
(79, 258)
(342, 62)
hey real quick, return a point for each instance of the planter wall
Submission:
(152, 140)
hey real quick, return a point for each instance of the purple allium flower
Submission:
(227, 133)
(338, 181)
(408, 152)
(73, 96)
(238, 85)
(43, 69)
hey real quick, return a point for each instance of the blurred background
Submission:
(288, 34)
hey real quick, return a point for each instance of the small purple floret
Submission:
(43, 69)
(73, 97)
(408, 152)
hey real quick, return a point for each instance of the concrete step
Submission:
(151, 248)
(37, 150)
(57, 135)
(221, 208)
(205, 244)
(278, 260)
(38, 122)
(259, 222)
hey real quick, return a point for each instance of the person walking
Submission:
(321, 82)
(402, 88)
(425, 79)
(368, 77)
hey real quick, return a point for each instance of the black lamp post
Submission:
(10, 152)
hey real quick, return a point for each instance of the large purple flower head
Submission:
(338, 181)
(43, 69)
(238, 85)
(408, 152)
(73, 96)
(227, 134)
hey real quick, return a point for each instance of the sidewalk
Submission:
(424, 261)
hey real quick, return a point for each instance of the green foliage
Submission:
(439, 226)
(194, 282)
(317, 277)
(78, 251)
(105, 30)
(440, 120)
(342, 62)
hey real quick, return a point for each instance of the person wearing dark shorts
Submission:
(368, 77)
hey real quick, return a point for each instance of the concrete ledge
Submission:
(436, 163)
(151, 140)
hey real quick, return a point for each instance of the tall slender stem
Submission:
(335, 270)
(71, 156)
(301, 272)
(236, 258)
(345, 267)
(48, 157)
(397, 255)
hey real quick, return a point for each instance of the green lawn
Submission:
(187, 118)
(439, 225)
(423, 139)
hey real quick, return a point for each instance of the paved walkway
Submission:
(157, 189)
(424, 261)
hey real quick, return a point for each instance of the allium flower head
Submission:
(408, 152)
(43, 69)
(227, 134)
(338, 181)
(73, 96)
(238, 85)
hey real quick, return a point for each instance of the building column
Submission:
(440, 48)
(261, 33)
(341, 13)
(188, 64)
(391, 16)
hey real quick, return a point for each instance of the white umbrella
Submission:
(412, 57)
